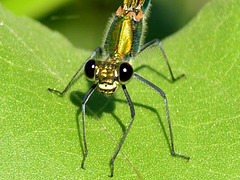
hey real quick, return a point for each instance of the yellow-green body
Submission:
(121, 44)
(112, 68)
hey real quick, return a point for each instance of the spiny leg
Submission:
(158, 42)
(85, 100)
(94, 53)
(126, 133)
(168, 117)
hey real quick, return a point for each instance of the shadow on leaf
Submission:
(100, 104)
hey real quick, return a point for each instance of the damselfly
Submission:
(110, 68)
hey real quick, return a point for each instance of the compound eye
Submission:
(126, 72)
(90, 69)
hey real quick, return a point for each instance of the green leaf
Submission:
(41, 133)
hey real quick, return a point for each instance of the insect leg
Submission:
(85, 100)
(129, 126)
(95, 52)
(166, 105)
(158, 42)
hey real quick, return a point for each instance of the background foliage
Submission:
(41, 132)
(83, 22)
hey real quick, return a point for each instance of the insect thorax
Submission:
(124, 34)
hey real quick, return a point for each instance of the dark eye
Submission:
(126, 72)
(90, 69)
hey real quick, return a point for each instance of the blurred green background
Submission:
(83, 21)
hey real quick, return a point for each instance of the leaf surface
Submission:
(41, 133)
